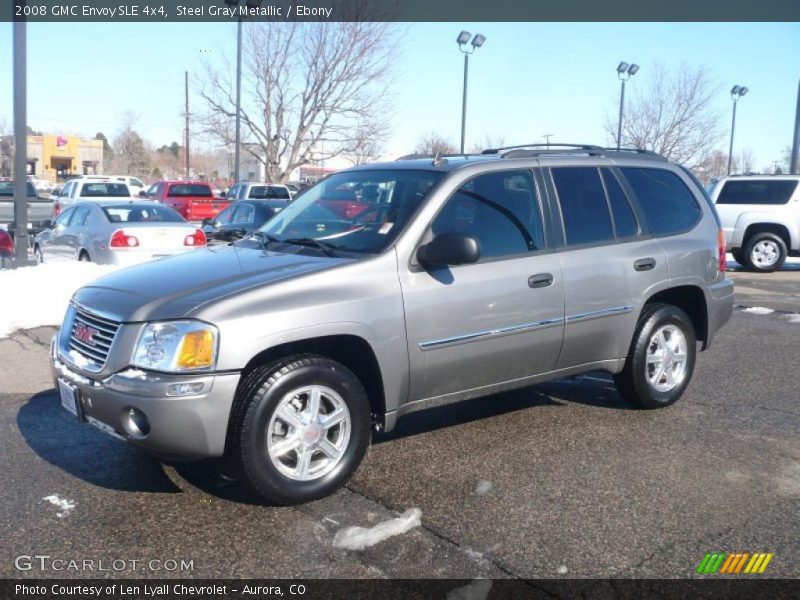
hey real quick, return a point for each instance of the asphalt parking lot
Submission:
(558, 480)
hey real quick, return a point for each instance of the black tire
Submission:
(258, 397)
(737, 256)
(37, 254)
(632, 382)
(84, 256)
(752, 264)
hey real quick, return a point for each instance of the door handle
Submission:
(645, 264)
(540, 280)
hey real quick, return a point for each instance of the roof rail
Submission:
(416, 156)
(548, 146)
(532, 150)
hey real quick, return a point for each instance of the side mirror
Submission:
(206, 222)
(47, 224)
(142, 194)
(449, 249)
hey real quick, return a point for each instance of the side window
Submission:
(64, 217)
(667, 202)
(500, 210)
(758, 191)
(244, 214)
(584, 208)
(225, 217)
(624, 218)
(80, 217)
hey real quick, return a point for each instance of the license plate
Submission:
(69, 398)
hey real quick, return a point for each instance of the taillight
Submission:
(120, 239)
(198, 238)
(187, 212)
(6, 243)
(721, 249)
(56, 209)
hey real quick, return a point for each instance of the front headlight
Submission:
(177, 346)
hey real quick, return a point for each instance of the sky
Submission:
(528, 79)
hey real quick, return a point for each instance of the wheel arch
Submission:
(752, 223)
(690, 299)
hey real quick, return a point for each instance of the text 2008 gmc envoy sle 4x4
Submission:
(463, 276)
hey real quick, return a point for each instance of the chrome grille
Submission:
(103, 333)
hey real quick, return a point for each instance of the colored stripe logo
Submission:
(734, 563)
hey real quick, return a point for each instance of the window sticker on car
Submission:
(385, 228)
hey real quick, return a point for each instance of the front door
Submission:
(495, 321)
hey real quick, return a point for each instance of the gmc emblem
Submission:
(85, 334)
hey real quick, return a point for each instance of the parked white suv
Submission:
(761, 218)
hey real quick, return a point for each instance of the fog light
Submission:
(185, 389)
(135, 423)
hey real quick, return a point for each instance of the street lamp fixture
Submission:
(463, 40)
(624, 71)
(737, 92)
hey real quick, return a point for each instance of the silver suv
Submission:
(761, 218)
(458, 277)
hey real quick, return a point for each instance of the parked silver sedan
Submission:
(117, 232)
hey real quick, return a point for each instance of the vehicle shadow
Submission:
(86, 453)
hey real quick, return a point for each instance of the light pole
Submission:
(737, 92)
(463, 39)
(248, 4)
(547, 137)
(624, 72)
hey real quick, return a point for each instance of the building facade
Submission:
(56, 157)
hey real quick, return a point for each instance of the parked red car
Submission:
(6, 245)
(193, 200)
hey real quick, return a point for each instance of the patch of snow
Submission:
(793, 318)
(358, 538)
(132, 374)
(79, 360)
(41, 293)
(474, 554)
(484, 487)
(477, 589)
(65, 507)
(562, 570)
(758, 310)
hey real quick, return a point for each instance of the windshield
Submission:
(90, 190)
(357, 211)
(269, 191)
(190, 189)
(141, 213)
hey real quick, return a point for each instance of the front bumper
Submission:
(179, 426)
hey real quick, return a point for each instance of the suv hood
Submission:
(173, 287)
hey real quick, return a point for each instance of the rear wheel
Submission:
(84, 256)
(299, 428)
(764, 252)
(661, 359)
(37, 254)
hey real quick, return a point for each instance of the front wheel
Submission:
(299, 428)
(661, 359)
(764, 252)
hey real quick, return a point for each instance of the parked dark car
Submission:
(241, 218)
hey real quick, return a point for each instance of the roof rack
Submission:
(415, 156)
(531, 150)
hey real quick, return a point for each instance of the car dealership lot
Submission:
(557, 480)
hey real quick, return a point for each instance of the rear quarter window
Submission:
(668, 204)
(756, 192)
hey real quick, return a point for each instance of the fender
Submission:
(748, 218)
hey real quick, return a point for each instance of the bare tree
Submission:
(434, 143)
(307, 88)
(488, 141)
(368, 143)
(672, 114)
(131, 157)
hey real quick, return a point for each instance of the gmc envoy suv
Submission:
(461, 276)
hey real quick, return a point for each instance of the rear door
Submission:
(608, 261)
(50, 242)
(69, 241)
(495, 321)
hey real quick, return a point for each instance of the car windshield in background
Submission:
(7, 188)
(269, 191)
(141, 213)
(189, 189)
(106, 189)
(379, 204)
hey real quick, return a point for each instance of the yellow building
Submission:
(53, 157)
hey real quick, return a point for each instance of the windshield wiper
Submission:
(266, 238)
(326, 248)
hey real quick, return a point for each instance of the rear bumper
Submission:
(719, 304)
(180, 426)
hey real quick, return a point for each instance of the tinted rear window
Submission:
(7, 188)
(667, 202)
(778, 191)
(583, 205)
(269, 191)
(141, 213)
(90, 190)
(189, 189)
